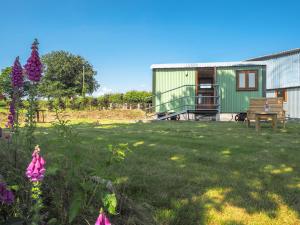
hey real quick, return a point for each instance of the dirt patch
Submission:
(89, 116)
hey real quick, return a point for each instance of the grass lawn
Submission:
(204, 173)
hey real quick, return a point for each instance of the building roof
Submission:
(210, 64)
(276, 55)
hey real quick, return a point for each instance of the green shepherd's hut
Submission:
(214, 90)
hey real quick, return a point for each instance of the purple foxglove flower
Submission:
(34, 66)
(102, 219)
(12, 115)
(36, 169)
(6, 195)
(17, 74)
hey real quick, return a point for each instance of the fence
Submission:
(129, 106)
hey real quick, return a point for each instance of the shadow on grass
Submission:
(194, 174)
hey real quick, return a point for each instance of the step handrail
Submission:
(173, 89)
(185, 109)
(176, 113)
(216, 97)
(172, 114)
(177, 99)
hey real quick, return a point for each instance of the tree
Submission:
(63, 75)
(5, 82)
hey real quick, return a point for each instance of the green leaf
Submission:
(52, 170)
(86, 186)
(63, 75)
(14, 187)
(75, 206)
(52, 221)
(110, 203)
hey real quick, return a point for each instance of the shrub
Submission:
(59, 103)
(137, 97)
(116, 98)
(25, 104)
(94, 102)
(42, 104)
(50, 104)
(3, 104)
(103, 101)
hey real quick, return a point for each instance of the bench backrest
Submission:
(257, 105)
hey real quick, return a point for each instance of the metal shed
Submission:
(283, 79)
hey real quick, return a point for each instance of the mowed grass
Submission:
(206, 173)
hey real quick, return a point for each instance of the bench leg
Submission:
(274, 123)
(38, 117)
(257, 124)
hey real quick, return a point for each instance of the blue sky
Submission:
(123, 38)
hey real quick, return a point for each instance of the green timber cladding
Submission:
(232, 101)
(166, 79)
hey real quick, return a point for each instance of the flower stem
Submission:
(30, 116)
(37, 203)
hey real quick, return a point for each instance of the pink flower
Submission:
(36, 170)
(102, 219)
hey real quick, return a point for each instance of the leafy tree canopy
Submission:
(5, 82)
(63, 75)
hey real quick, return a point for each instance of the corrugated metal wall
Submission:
(233, 101)
(293, 102)
(166, 79)
(283, 72)
(272, 94)
(292, 106)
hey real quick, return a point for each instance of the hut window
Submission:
(281, 93)
(246, 80)
(252, 80)
(242, 80)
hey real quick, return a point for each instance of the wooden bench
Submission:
(257, 106)
(40, 114)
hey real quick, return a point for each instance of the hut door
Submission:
(205, 90)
